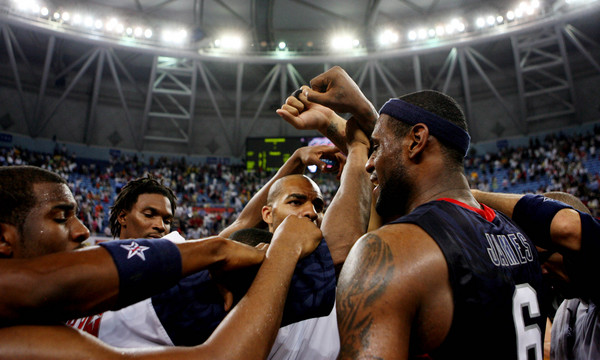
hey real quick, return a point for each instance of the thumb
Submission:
(316, 97)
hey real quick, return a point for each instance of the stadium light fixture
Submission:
(344, 42)
(388, 37)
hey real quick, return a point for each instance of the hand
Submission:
(238, 255)
(296, 235)
(312, 155)
(336, 90)
(304, 115)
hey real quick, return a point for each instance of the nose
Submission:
(159, 225)
(79, 232)
(310, 212)
(369, 166)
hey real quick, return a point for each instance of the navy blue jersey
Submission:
(496, 282)
(191, 310)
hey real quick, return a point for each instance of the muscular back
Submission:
(433, 282)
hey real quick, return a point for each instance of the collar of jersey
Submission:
(487, 213)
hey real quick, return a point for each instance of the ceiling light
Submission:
(98, 24)
(77, 19)
(148, 33)
(343, 42)
(282, 45)
(44, 11)
(412, 35)
(480, 22)
(111, 24)
(66, 16)
(510, 16)
(490, 20)
(422, 34)
(499, 19)
(56, 16)
(88, 22)
(388, 37)
(519, 13)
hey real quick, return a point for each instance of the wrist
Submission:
(358, 147)
(284, 251)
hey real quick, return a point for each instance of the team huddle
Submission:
(406, 261)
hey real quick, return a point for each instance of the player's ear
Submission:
(9, 235)
(122, 218)
(419, 137)
(267, 214)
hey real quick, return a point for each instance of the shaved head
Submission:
(279, 186)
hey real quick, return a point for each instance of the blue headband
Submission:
(439, 127)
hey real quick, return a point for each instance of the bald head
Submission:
(279, 187)
(569, 200)
(293, 195)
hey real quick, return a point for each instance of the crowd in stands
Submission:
(210, 197)
(556, 162)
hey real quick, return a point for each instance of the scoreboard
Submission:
(270, 153)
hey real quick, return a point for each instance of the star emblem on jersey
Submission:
(135, 249)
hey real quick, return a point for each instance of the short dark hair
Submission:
(444, 106)
(129, 194)
(16, 191)
(252, 236)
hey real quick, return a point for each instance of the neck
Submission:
(430, 188)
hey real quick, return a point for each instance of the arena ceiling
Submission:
(82, 85)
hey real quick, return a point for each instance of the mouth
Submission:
(374, 180)
(153, 236)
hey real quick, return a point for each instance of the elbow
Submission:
(566, 230)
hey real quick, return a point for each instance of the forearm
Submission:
(347, 217)
(260, 310)
(57, 287)
(336, 132)
(504, 203)
(366, 116)
(73, 284)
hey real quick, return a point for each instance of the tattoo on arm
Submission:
(333, 133)
(368, 282)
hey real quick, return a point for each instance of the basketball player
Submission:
(445, 277)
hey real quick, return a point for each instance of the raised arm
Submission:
(247, 332)
(73, 284)
(347, 217)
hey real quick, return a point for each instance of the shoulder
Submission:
(395, 256)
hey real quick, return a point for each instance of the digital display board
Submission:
(269, 153)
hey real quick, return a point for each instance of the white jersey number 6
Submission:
(528, 337)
